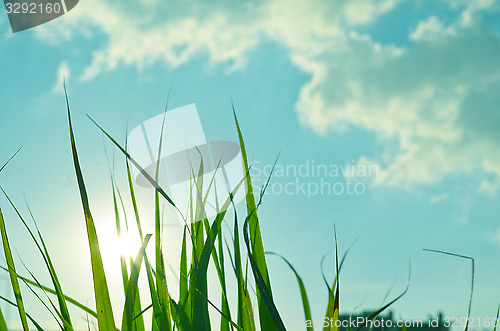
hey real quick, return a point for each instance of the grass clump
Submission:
(190, 310)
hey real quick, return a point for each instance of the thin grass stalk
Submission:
(13, 274)
(104, 309)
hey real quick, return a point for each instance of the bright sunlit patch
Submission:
(113, 246)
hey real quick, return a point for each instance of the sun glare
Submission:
(113, 246)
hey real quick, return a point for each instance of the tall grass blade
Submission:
(161, 278)
(267, 322)
(103, 302)
(152, 287)
(12, 273)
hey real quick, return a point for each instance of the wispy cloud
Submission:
(437, 97)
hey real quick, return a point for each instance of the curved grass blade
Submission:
(303, 292)
(13, 275)
(104, 309)
(472, 280)
(262, 288)
(378, 312)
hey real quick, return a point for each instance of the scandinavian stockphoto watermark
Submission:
(26, 14)
(311, 178)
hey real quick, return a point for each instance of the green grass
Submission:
(191, 309)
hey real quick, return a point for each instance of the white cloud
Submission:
(421, 96)
(432, 30)
(437, 98)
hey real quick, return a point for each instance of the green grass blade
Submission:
(43, 302)
(3, 324)
(184, 306)
(40, 243)
(156, 318)
(123, 261)
(32, 320)
(330, 310)
(136, 164)
(51, 291)
(222, 278)
(138, 321)
(379, 311)
(201, 267)
(201, 317)
(267, 322)
(132, 289)
(134, 201)
(12, 273)
(10, 159)
(336, 307)
(303, 293)
(262, 288)
(103, 302)
(161, 278)
(245, 311)
(496, 320)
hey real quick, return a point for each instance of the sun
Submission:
(114, 246)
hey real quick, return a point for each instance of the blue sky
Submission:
(410, 87)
